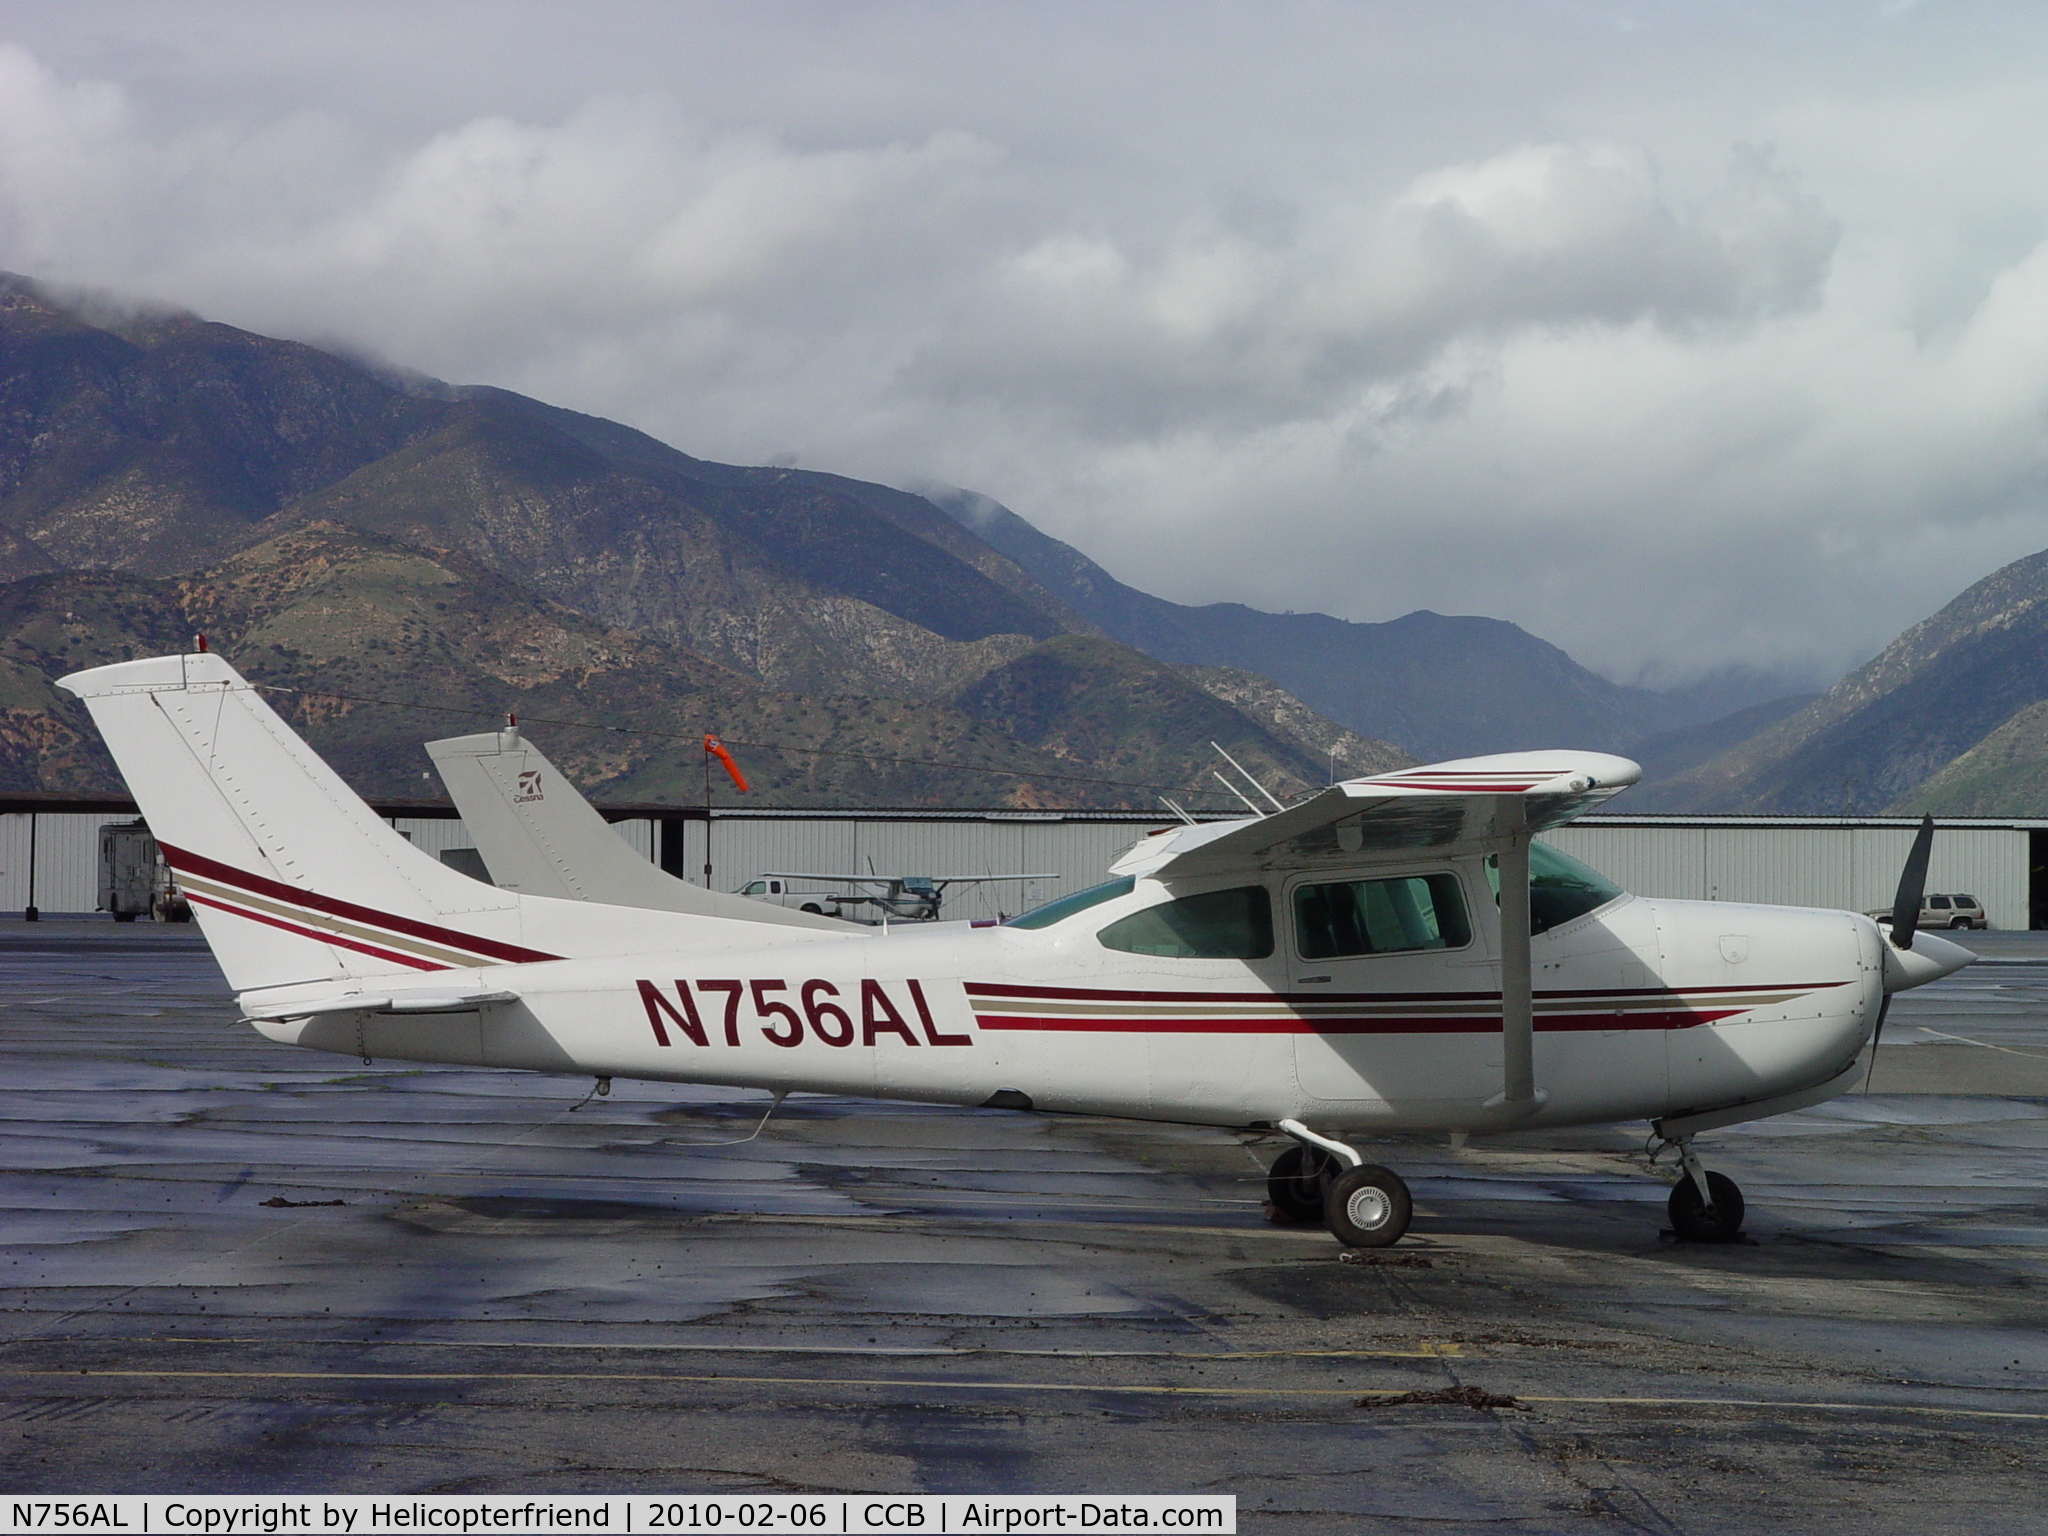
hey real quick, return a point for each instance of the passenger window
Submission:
(755, 888)
(1380, 917)
(1236, 924)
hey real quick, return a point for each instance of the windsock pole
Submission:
(713, 747)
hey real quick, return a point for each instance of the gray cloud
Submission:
(1684, 338)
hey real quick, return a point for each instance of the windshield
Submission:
(1560, 887)
(1066, 906)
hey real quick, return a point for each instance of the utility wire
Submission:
(752, 746)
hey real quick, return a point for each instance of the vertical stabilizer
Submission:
(296, 881)
(539, 836)
(292, 876)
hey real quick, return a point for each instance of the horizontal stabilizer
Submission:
(386, 1002)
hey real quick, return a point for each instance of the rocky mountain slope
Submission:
(339, 526)
(1943, 688)
(2005, 774)
(371, 646)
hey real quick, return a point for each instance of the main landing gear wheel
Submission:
(1368, 1207)
(1694, 1220)
(1294, 1186)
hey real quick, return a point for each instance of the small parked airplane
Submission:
(535, 832)
(906, 898)
(1393, 953)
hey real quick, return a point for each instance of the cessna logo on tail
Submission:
(529, 787)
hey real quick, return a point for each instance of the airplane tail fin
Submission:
(293, 878)
(538, 835)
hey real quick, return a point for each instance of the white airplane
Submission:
(1339, 967)
(907, 898)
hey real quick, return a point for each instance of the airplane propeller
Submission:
(1912, 886)
(1905, 921)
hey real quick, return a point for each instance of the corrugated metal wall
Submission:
(1823, 866)
(1073, 853)
(1830, 866)
(67, 861)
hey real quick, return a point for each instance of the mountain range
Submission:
(1441, 686)
(1948, 718)
(440, 555)
(400, 558)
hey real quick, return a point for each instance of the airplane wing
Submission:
(539, 836)
(1473, 801)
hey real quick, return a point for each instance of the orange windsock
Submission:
(717, 749)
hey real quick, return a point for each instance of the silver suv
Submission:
(1952, 911)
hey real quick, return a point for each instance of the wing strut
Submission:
(1517, 1001)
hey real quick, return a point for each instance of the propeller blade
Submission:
(1912, 886)
(1876, 1039)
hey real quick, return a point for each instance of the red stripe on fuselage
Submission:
(186, 862)
(994, 992)
(1440, 1024)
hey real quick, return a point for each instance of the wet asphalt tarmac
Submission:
(514, 1295)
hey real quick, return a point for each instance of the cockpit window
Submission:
(1066, 906)
(1560, 887)
(1236, 924)
(1380, 917)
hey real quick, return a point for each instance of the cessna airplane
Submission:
(1392, 953)
(907, 898)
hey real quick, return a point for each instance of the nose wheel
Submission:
(1294, 1186)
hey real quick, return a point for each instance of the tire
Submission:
(812, 906)
(1368, 1207)
(1961, 922)
(1294, 1187)
(1694, 1222)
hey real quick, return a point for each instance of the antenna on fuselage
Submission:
(1255, 784)
(1171, 806)
(1217, 775)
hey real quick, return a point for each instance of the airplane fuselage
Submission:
(1643, 1008)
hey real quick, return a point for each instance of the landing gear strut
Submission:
(1705, 1207)
(1364, 1205)
(1294, 1187)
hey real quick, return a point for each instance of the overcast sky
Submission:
(1686, 335)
